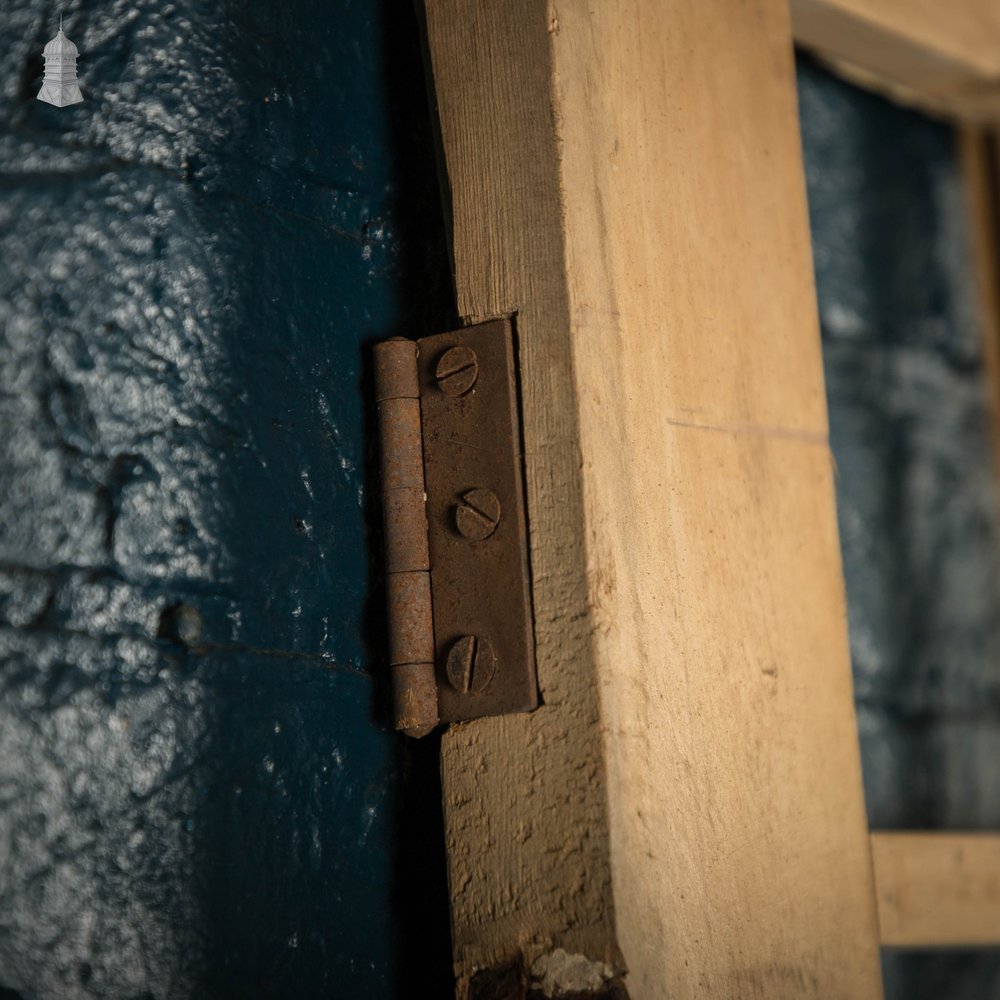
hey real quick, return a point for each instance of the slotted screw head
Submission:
(457, 371)
(478, 515)
(471, 664)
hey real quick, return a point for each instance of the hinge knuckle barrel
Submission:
(396, 370)
(405, 526)
(402, 452)
(414, 688)
(410, 640)
(408, 587)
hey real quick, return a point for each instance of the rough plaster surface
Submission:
(198, 792)
(558, 973)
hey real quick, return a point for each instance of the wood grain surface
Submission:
(627, 178)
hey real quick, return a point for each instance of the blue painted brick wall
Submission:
(199, 793)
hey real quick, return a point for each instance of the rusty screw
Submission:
(478, 515)
(471, 664)
(457, 371)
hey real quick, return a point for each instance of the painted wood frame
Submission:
(977, 152)
(626, 179)
(944, 57)
(937, 889)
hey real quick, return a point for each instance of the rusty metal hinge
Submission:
(461, 640)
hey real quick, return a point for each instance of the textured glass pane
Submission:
(917, 501)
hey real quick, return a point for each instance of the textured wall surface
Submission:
(916, 487)
(199, 794)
